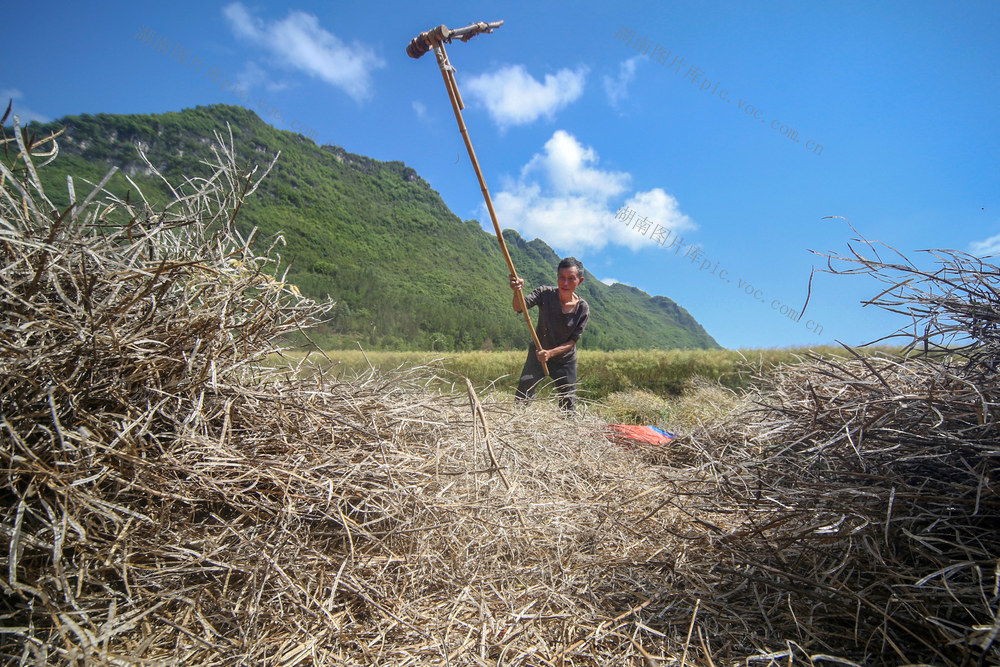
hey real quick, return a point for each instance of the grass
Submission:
(675, 389)
(661, 372)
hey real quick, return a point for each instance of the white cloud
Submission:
(514, 97)
(613, 281)
(566, 166)
(300, 43)
(986, 248)
(420, 109)
(25, 115)
(662, 209)
(562, 197)
(617, 87)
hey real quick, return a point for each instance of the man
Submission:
(562, 316)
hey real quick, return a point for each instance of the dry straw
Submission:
(866, 488)
(169, 500)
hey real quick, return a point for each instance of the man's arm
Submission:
(516, 284)
(545, 355)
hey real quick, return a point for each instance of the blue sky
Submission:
(690, 149)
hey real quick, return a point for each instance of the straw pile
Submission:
(866, 490)
(167, 499)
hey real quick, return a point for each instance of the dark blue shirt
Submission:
(554, 327)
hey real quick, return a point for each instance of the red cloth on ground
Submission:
(628, 433)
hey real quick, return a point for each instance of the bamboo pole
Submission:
(448, 72)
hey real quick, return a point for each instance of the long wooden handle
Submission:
(448, 72)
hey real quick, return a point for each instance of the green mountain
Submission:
(373, 236)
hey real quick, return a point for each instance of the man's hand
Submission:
(545, 355)
(516, 284)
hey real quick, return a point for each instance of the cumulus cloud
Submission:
(25, 115)
(616, 87)
(986, 247)
(298, 42)
(563, 197)
(514, 97)
(661, 209)
(567, 165)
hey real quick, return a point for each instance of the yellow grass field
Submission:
(675, 389)
(663, 372)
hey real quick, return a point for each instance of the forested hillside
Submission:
(405, 271)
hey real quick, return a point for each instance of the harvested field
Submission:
(170, 499)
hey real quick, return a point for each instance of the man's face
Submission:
(569, 280)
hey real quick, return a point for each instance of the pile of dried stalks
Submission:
(866, 490)
(167, 500)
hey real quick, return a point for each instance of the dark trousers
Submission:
(563, 376)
